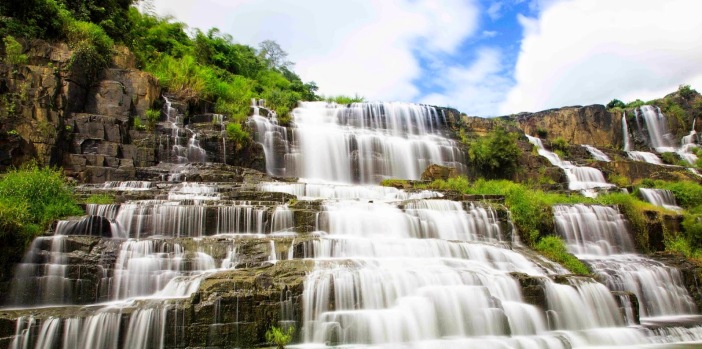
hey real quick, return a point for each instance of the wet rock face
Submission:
(690, 272)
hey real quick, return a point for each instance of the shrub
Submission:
(560, 144)
(13, 51)
(635, 104)
(688, 194)
(236, 134)
(692, 224)
(670, 158)
(554, 248)
(495, 155)
(92, 48)
(152, 117)
(32, 198)
(615, 103)
(279, 337)
(343, 100)
(686, 92)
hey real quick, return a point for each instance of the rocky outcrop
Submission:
(593, 125)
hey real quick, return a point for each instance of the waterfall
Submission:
(184, 149)
(359, 143)
(599, 235)
(596, 153)
(660, 138)
(660, 197)
(580, 178)
(637, 155)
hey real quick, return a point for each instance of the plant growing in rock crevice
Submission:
(280, 337)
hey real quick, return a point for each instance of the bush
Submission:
(237, 134)
(688, 194)
(541, 133)
(152, 118)
(92, 48)
(686, 92)
(635, 104)
(13, 51)
(32, 198)
(670, 158)
(560, 144)
(495, 155)
(692, 225)
(615, 103)
(554, 248)
(279, 337)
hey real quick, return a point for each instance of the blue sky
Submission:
(484, 58)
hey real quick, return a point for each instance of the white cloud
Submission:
(591, 51)
(489, 34)
(494, 10)
(475, 89)
(346, 47)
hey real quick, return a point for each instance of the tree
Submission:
(271, 53)
(615, 103)
(495, 155)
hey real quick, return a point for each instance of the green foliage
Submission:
(344, 100)
(395, 183)
(615, 103)
(635, 104)
(100, 199)
(560, 144)
(280, 337)
(31, 198)
(554, 248)
(92, 48)
(13, 51)
(152, 117)
(692, 225)
(496, 154)
(686, 92)
(138, 124)
(619, 180)
(31, 19)
(670, 158)
(237, 134)
(688, 194)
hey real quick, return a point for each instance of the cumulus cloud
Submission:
(476, 88)
(591, 51)
(346, 47)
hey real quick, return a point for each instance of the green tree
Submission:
(615, 103)
(13, 51)
(495, 155)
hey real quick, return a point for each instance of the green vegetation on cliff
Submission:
(31, 198)
(495, 155)
(208, 69)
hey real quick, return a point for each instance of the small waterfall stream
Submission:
(581, 178)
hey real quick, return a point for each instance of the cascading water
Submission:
(359, 143)
(660, 197)
(184, 149)
(599, 235)
(580, 178)
(388, 268)
(660, 138)
(596, 153)
(637, 155)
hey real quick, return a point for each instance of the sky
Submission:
(484, 58)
